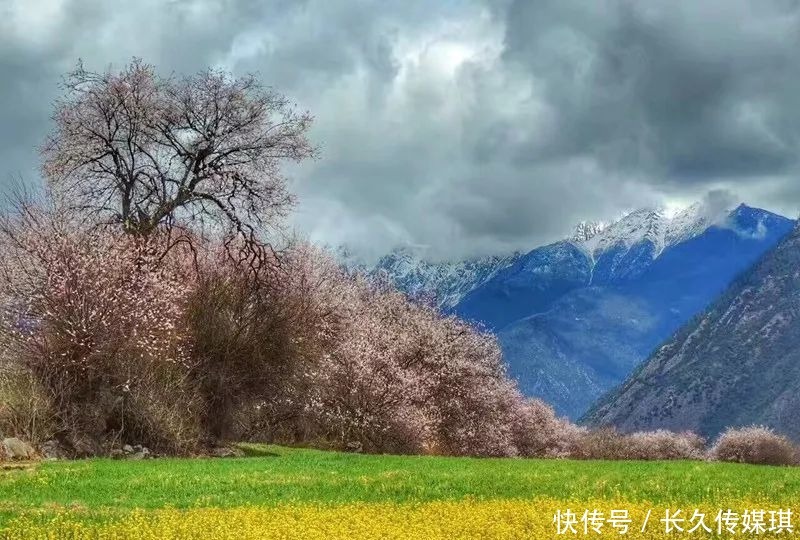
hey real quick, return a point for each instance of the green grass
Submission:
(273, 475)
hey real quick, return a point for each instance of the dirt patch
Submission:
(17, 465)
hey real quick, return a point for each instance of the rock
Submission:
(141, 452)
(355, 446)
(128, 449)
(117, 453)
(86, 447)
(52, 449)
(16, 449)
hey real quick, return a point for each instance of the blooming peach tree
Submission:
(148, 152)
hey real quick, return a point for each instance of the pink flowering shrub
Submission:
(608, 443)
(662, 444)
(311, 354)
(471, 398)
(537, 432)
(602, 443)
(754, 444)
(398, 376)
(96, 318)
(366, 393)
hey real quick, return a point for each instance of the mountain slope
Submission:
(585, 344)
(530, 285)
(736, 364)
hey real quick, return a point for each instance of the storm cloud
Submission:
(466, 126)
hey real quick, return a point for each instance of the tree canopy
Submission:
(205, 151)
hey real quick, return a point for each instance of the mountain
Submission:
(446, 283)
(612, 255)
(575, 317)
(737, 363)
(643, 287)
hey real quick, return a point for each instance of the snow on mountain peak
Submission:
(587, 229)
(653, 225)
(443, 282)
(630, 230)
(687, 223)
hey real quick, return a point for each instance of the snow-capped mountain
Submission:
(627, 246)
(576, 316)
(595, 255)
(448, 282)
(445, 283)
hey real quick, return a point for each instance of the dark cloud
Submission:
(682, 91)
(470, 127)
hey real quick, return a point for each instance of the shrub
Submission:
(662, 444)
(369, 389)
(255, 337)
(313, 354)
(399, 376)
(537, 432)
(608, 443)
(754, 444)
(602, 443)
(95, 317)
(469, 397)
(26, 410)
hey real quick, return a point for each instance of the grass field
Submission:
(278, 492)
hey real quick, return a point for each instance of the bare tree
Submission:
(143, 151)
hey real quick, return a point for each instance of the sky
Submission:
(463, 127)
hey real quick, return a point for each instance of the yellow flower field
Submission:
(468, 519)
(294, 493)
